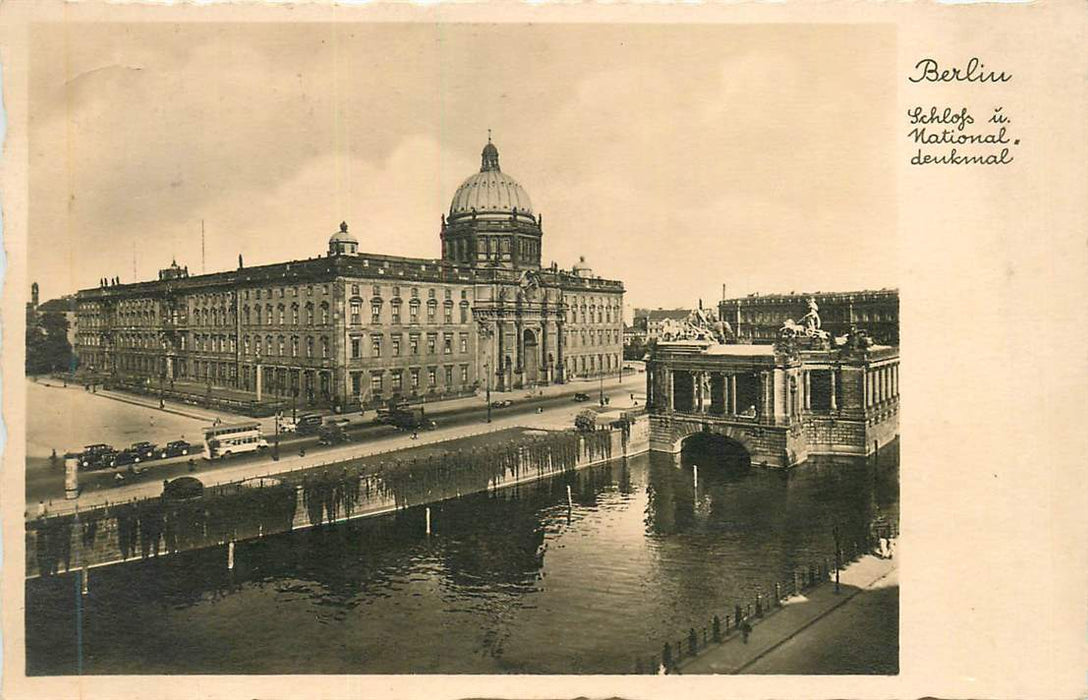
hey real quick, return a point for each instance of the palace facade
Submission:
(354, 328)
(757, 318)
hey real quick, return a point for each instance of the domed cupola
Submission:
(491, 220)
(582, 268)
(342, 242)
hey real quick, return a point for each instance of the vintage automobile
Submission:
(501, 404)
(96, 456)
(332, 434)
(124, 457)
(176, 448)
(145, 450)
(581, 397)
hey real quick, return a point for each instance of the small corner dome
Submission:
(342, 236)
(581, 268)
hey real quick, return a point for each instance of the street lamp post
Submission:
(487, 371)
(276, 439)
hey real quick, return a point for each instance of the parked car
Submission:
(125, 457)
(501, 404)
(176, 448)
(287, 425)
(96, 456)
(145, 450)
(332, 434)
(581, 397)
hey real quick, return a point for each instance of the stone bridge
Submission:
(780, 404)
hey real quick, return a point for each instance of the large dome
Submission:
(490, 191)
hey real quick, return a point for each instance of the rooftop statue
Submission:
(701, 324)
(807, 327)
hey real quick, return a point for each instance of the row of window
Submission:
(776, 317)
(485, 247)
(396, 344)
(283, 292)
(596, 311)
(376, 291)
(395, 317)
(397, 377)
(582, 364)
(593, 336)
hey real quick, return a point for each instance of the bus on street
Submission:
(227, 439)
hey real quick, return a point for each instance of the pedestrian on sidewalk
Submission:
(745, 630)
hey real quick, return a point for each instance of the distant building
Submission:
(652, 320)
(360, 328)
(65, 306)
(757, 318)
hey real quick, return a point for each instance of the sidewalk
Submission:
(797, 614)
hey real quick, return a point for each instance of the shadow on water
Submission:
(642, 549)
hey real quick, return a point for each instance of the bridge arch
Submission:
(736, 435)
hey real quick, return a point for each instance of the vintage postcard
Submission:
(514, 351)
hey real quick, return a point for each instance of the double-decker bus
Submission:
(228, 439)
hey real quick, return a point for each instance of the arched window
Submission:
(324, 347)
(310, 312)
(309, 346)
(324, 313)
(294, 313)
(268, 344)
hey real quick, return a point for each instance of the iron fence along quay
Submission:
(750, 611)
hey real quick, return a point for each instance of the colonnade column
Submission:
(560, 366)
(834, 374)
(500, 360)
(808, 391)
(733, 394)
(543, 361)
(519, 345)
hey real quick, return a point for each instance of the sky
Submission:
(676, 158)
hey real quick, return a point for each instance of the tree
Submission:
(586, 421)
(47, 346)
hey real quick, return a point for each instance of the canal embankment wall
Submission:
(280, 503)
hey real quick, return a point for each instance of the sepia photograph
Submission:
(461, 348)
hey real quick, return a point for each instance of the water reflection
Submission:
(513, 581)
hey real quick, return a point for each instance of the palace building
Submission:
(757, 318)
(355, 328)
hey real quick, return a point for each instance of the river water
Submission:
(509, 582)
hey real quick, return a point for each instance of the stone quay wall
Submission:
(268, 505)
